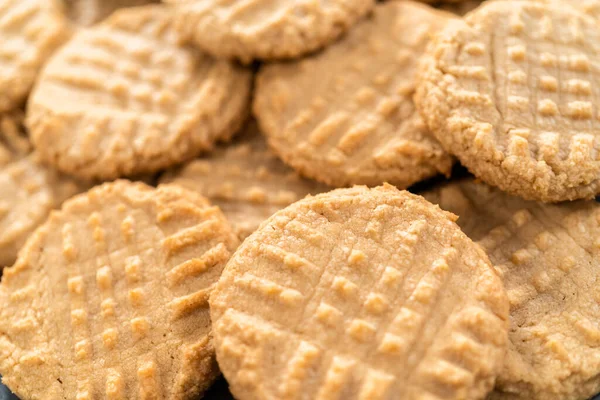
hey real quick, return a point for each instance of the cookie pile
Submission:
(207, 187)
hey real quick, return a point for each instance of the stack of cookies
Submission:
(331, 200)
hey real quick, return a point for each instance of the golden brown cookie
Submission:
(266, 29)
(109, 298)
(14, 143)
(89, 12)
(28, 192)
(510, 92)
(360, 294)
(548, 256)
(246, 180)
(30, 31)
(346, 115)
(124, 98)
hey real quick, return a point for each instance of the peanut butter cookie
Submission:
(109, 298)
(548, 257)
(125, 98)
(266, 29)
(30, 31)
(346, 116)
(89, 12)
(29, 191)
(510, 92)
(360, 294)
(246, 180)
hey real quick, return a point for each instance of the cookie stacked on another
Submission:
(256, 256)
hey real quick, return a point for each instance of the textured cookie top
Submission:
(30, 30)
(29, 191)
(359, 294)
(14, 142)
(511, 93)
(266, 29)
(346, 116)
(548, 257)
(109, 298)
(89, 12)
(246, 180)
(124, 98)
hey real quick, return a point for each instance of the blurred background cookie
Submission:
(266, 29)
(14, 142)
(30, 31)
(30, 191)
(89, 12)
(125, 98)
(246, 180)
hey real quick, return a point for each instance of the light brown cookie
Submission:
(246, 180)
(548, 256)
(266, 29)
(89, 12)
(360, 294)
(124, 98)
(510, 92)
(29, 191)
(30, 31)
(14, 143)
(109, 298)
(346, 115)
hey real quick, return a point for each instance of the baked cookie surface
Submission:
(346, 116)
(125, 98)
(29, 191)
(359, 294)
(511, 93)
(246, 180)
(31, 30)
(89, 12)
(548, 258)
(109, 298)
(266, 29)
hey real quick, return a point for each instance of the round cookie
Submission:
(31, 30)
(359, 294)
(510, 92)
(89, 12)
(273, 29)
(246, 180)
(346, 115)
(109, 298)
(124, 98)
(548, 256)
(29, 192)
(14, 142)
